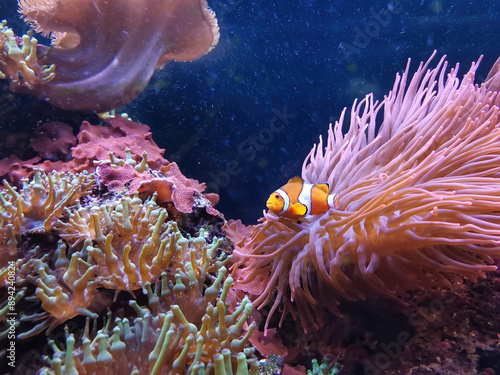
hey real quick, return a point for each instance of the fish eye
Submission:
(277, 196)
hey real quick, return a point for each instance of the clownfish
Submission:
(297, 199)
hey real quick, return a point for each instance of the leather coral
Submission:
(418, 199)
(104, 52)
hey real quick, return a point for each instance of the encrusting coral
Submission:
(418, 200)
(103, 52)
(52, 140)
(94, 143)
(168, 184)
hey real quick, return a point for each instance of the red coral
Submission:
(163, 187)
(115, 178)
(127, 140)
(185, 189)
(53, 140)
(94, 143)
(169, 184)
(16, 168)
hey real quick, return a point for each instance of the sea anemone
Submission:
(418, 200)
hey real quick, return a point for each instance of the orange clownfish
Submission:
(297, 199)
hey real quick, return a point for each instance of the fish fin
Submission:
(323, 187)
(298, 209)
(333, 201)
(296, 179)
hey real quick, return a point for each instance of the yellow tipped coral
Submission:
(35, 208)
(121, 241)
(132, 243)
(78, 248)
(119, 244)
(20, 63)
(166, 343)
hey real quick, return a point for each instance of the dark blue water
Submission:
(243, 117)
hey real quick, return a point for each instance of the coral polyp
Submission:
(165, 343)
(35, 207)
(82, 250)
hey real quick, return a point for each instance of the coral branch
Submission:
(166, 343)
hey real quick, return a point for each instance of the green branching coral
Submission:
(120, 244)
(166, 343)
(327, 367)
(71, 255)
(131, 242)
(123, 251)
(35, 208)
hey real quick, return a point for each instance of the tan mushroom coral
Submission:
(104, 51)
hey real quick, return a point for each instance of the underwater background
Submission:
(293, 63)
(244, 117)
